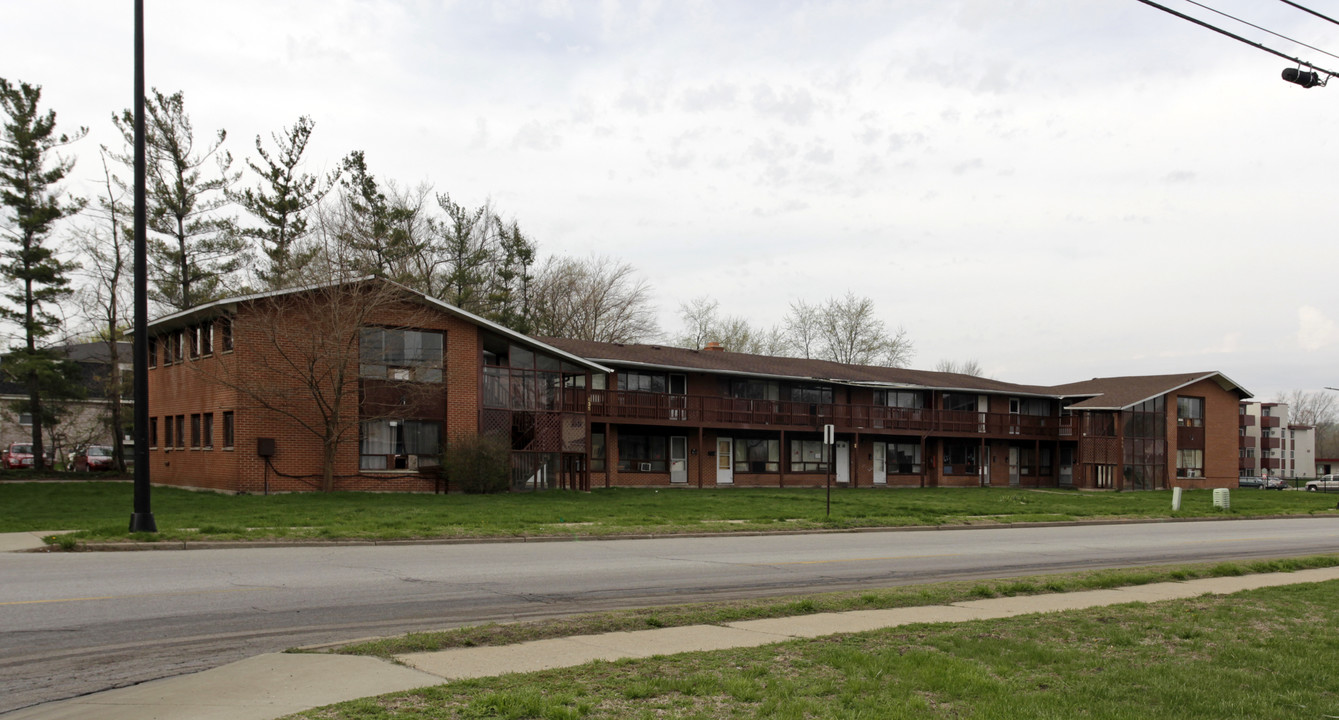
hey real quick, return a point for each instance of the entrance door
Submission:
(843, 460)
(880, 469)
(725, 461)
(678, 459)
(1013, 467)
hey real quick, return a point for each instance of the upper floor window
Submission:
(643, 382)
(813, 394)
(409, 355)
(1266, 410)
(225, 333)
(959, 401)
(153, 351)
(900, 398)
(755, 389)
(1190, 412)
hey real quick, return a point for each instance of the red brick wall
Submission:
(1221, 432)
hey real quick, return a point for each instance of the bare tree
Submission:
(965, 367)
(804, 328)
(109, 246)
(852, 335)
(597, 299)
(699, 320)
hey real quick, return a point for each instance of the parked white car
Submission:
(1327, 483)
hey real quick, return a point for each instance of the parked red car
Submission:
(94, 457)
(17, 456)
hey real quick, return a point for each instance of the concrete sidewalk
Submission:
(274, 685)
(26, 541)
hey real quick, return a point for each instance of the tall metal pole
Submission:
(141, 520)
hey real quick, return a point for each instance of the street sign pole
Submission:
(829, 438)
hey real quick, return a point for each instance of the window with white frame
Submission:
(399, 444)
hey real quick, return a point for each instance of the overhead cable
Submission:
(1238, 38)
(1307, 9)
(1262, 29)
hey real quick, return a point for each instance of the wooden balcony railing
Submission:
(614, 405)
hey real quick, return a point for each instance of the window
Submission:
(225, 333)
(1190, 463)
(959, 401)
(960, 457)
(903, 459)
(399, 444)
(597, 452)
(193, 341)
(181, 432)
(642, 382)
(153, 432)
(757, 456)
(755, 390)
(195, 431)
(808, 456)
(167, 432)
(408, 355)
(207, 337)
(25, 418)
(642, 453)
(812, 394)
(167, 349)
(177, 353)
(228, 431)
(153, 351)
(207, 431)
(1190, 412)
(1266, 410)
(900, 398)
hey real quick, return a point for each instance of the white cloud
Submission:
(1315, 331)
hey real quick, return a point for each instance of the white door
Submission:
(1013, 466)
(843, 461)
(725, 461)
(678, 459)
(880, 470)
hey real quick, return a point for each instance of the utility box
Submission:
(265, 447)
(1221, 499)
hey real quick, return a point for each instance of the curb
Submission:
(265, 544)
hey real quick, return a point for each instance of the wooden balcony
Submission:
(712, 411)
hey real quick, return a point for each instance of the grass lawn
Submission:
(101, 511)
(1260, 654)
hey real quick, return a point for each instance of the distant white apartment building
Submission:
(1270, 445)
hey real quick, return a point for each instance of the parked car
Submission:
(17, 456)
(1276, 483)
(94, 457)
(1262, 483)
(1326, 483)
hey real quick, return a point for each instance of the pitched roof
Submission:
(1114, 393)
(1119, 393)
(211, 309)
(664, 357)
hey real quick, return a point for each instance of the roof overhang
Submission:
(1228, 384)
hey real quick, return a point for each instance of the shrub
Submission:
(477, 464)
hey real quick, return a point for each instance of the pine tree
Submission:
(196, 250)
(34, 203)
(281, 203)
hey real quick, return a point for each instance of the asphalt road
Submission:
(75, 623)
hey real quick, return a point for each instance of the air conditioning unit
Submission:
(645, 467)
(412, 463)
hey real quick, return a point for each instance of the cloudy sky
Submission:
(1059, 189)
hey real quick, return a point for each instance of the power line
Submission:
(1307, 9)
(1238, 38)
(1263, 29)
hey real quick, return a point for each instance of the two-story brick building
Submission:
(263, 392)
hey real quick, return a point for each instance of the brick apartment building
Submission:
(251, 394)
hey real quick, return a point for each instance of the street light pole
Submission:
(141, 520)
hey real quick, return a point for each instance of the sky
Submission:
(1057, 189)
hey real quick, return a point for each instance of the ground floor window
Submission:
(228, 430)
(399, 444)
(643, 453)
(808, 456)
(597, 452)
(960, 457)
(904, 458)
(757, 456)
(1190, 463)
